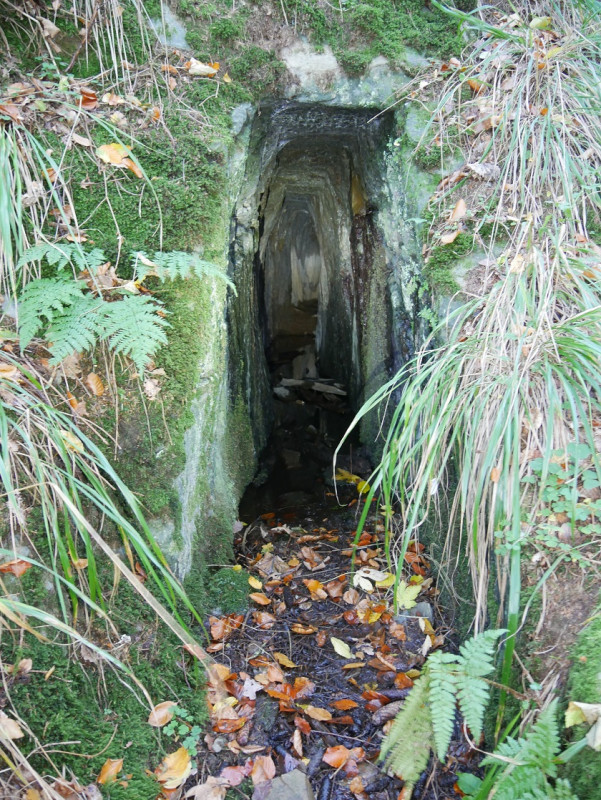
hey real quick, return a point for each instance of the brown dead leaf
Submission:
(110, 769)
(344, 704)
(260, 598)
(339, 755)
(263, 620)
(162, 713)
(9, 728)
(212, 789)
(297, 627)
(284, 660)
(351, 596)
(263, 769)
(94, 384)
(459, 211)
(316, 589)
(449, 238)
(321, 714)
(15, 567)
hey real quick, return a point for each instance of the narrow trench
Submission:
(317, 278)
(317, 325)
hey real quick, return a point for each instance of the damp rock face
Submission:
(318, 255)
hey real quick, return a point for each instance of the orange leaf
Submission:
(94, 384)
(263, 769)
(131, 165)
(459, 211)
(303, 629)
(263, 620)
(174, 769)
(402, 681)
(344, 704)
(316, 589)
(338, 756)
(284, 660)
(260, 598)
(110, 769)
(495, 474)
(302, 725)
(161, 714)
(228, 725)
(321, 714)
(16, 567)
(303, 687)
(449, 238)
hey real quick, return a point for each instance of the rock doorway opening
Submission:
(317, 312)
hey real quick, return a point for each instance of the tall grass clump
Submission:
(514, 376)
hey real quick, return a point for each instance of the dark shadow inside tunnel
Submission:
(316, 271)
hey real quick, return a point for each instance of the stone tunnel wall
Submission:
(313, 234)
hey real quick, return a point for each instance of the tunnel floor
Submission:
(318, 666)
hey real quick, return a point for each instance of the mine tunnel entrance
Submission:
(308, 249)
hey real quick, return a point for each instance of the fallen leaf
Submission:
(316, 589)
(321, 714)
(339, 755)
(284, 660)
(114, 153)
(351, 596)
(402, 681)
(196, 67)
(82, 140)
(302, 725)
(255, 582)
(94, 384)
(161, 714)
(228, 725)
(297, 627)
(448, 238)
(9, 728)
(459, 211)
(174, 769)
(110, 769)
(406, 594)
(49, 29)
(212, 789)
(260, 598)
(341, 647)
(16, 567)
(233, 775)
(344, 704)
(133, 167)
(263, 769)
(263, 619)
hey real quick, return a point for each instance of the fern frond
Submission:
(77, 329)
(176, 264)
(472, 696)
(561, 791)
(42, 300)
(478, 653)
(52, 252)
(406, 748)
(443, 682)
(532, 759)
(133, 327)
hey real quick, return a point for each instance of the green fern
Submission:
(176, 264)
(63, 254)
(71, 319)
(77, 330)
(406, 748)
(133, 327)
(476, 660)
(42, 301)
(443, 688)
(531, 761)
(427, 718)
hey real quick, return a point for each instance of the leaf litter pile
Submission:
(309, 679)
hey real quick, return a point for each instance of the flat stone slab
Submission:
(291, 786)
